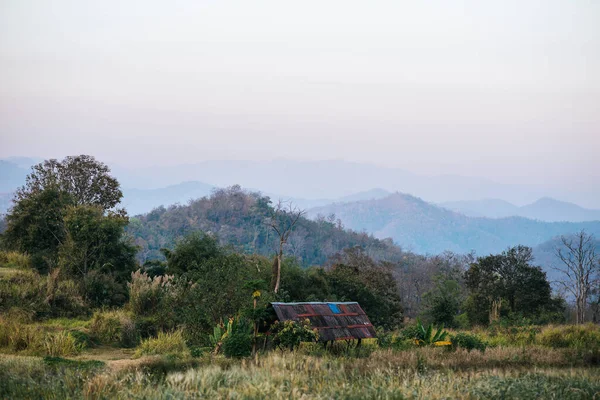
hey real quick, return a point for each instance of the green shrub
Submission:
(81, 338)
(146, 327)
(25, 293)
(38, 297)
(26, 338)
(238, 345)
(61, 343)
(103, 290)
(64, 297)
(114, 327)
(385, 339)
(198, 351)
(233, 337)
(409, 332)
(402, 340)
(585, 337)
(468, 341)
(498, 335)
(14, 259)
(462, 321)
(289, 334)
(164, 343)
(4, 332)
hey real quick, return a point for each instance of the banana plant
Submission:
(430, 336)
(220, 333)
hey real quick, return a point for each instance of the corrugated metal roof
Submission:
(334, 320)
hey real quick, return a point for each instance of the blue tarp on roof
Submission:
(334, 308)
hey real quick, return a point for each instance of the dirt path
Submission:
(115, 359)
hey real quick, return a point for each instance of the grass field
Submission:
(427, 373)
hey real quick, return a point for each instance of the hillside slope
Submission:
(426, 228)
(237, 218)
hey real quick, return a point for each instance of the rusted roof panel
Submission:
(333, 320)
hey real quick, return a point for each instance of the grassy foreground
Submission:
(428, 373)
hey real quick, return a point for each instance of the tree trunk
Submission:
(580, 304)
(278, 274)
(278, 278)
(255, 331)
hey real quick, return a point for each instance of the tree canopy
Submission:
(65, 216)
(84, 179)
(507, 283)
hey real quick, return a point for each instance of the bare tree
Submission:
(580, 268)
(284, 217)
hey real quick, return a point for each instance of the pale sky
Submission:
(508, 90)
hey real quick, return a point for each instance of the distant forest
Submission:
(237, 219)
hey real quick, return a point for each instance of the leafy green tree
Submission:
(443, 302)
(191, 253)
(94, 242)
(211, 284)
(354, 276)
(36, 222)
(84, 179)
(303, 284)
(507, 283)
(35, 226)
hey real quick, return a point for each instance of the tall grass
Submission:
(553, 336)
(61, 344)
(114, 328)
(16, 337)
(574, 336)
(14, 259)
(35, 378)
(296, 376)
(164, 343)
(146, 293)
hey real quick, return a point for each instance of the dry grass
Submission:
(115, 327)
(6, 273)
(164, 343)
(14, 260)
(166, 370)
(419, 374)
(293, 376)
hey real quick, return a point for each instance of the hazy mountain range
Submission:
(333, 179)
(544, 209)
(423, 227)
(329, 179)
(311, 183)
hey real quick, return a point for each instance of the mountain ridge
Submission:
(332, 179)
(545, 209)
(427, 228)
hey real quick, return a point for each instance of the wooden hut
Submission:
(333, 320)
